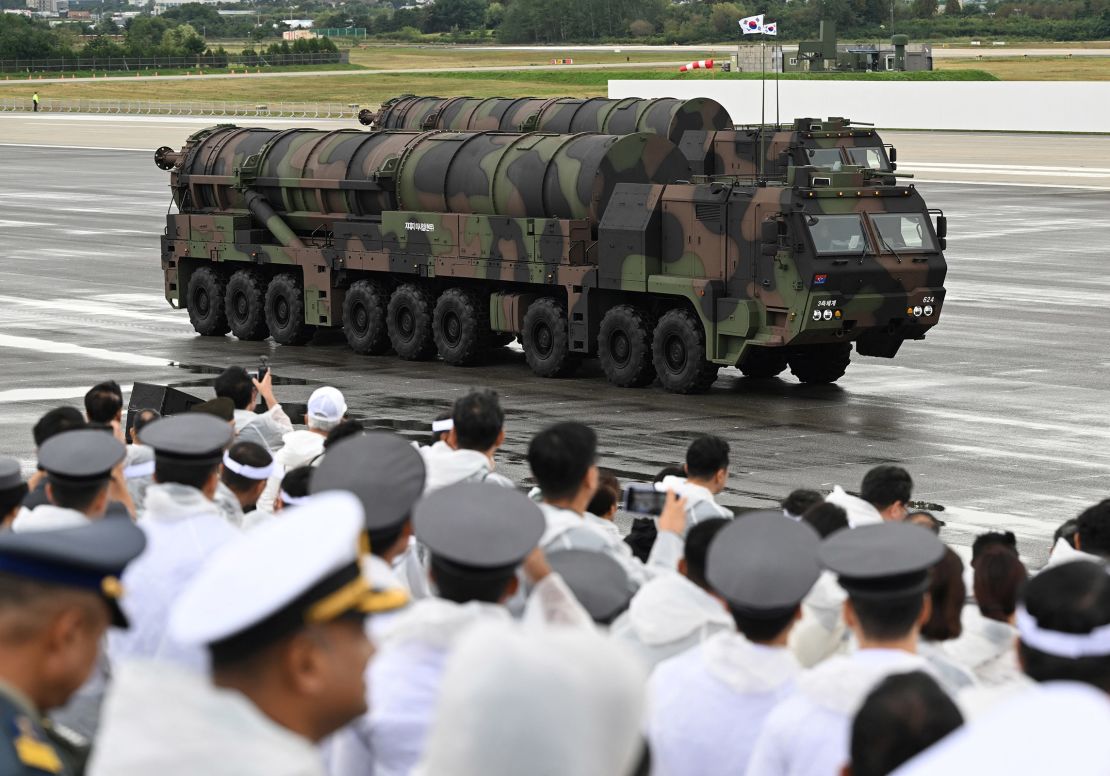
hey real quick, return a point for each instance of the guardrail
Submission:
(200, 61)
(293, 110)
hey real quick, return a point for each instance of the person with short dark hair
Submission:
(903, 716)
(467, 454)
(478, 536)
(244, 473)
(183, 527)
(281, 617)
(138, 467)
(947, 593)
(991, 539)
(58, 596)
(884, 568)
(987, 646)
(884, 496)
(925, 519)
(563, 459)
(1059, 724)
(709, 703)
(607, 498)
(80, 467)
(705, 476)
(12, 491)
(800, 501)
(671, 613)
(1092, 530)
(343, 430)
(267, 428)
(441, 427)
(825, 518)
(104, 403)
(54, 422)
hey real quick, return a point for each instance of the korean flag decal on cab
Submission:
(821, 279)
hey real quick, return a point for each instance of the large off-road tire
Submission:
(460, 326)
(546, 340)
(245, 305)
(821, 364)
(285, 310)
(624, 347)
(678, 350)
(204, 299)
(763, 363)
(364, 314)
(409, 321)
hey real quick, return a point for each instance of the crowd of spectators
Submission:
(221, 591)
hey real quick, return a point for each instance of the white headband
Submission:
(292, 501)
(250, 472)
(442, 425)
(1069, 645)
(137, 470)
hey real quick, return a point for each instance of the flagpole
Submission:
(763, 103)
(777, 69)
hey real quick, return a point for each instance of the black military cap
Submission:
(763, 562)
(84, 455)
(11, 475)
(195, 438)
(599, 583)
(91, 557)
(382, 469)
(884, 560)
(221, 407)
(479, 525)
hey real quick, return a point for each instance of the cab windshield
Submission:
(873, 158)
(837, 234)
(903, 232)
(825, 157)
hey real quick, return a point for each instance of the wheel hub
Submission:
(362, 319)
(675, 352)
(203, 302)
(241, 305)
(406, 322)
(452, 328)
(619, 347)
(543, 339)
(281, 311)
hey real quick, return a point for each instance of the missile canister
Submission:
(356, 173)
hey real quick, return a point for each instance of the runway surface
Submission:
(999, 414)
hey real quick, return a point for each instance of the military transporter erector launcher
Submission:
(580, 245)
(699, 126)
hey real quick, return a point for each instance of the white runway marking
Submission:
(89, 307)
(50, 394)
(65, 348)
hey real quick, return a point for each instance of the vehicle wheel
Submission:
(364, 309)
(245, 305)
(204, 299)
(409, 322)
(460, 326)
(763, 363)
(821, 364)
(546, 340)
(678, 350)
(285, 311)
(624, 347)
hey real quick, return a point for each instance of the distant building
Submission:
(48, 7)
(297, 35)
(80, 15)
(827, 55)
(298, 24)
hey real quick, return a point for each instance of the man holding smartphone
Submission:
(267, 428)
(706, 476)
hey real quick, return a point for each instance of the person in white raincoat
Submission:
(247, 467)
(673, 612)
(555, 701)
(81, 467)
(466, 454)
(885, 570)
(267, 428)
(1057, 726)
(478, 535)
(884, 496)
(563, 459)
(183, 528)
(280, 611)
(707, 705)
(706, 476)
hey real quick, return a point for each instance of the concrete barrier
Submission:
(1021, 106)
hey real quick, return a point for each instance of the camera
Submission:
(642, 498)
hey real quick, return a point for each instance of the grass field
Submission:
(1034, 68)
(372, 88)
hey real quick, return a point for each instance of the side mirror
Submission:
(942, 226)
(893, 154)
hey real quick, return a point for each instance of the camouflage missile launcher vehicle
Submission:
(700, 127)
(581, 245)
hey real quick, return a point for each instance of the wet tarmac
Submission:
(1000, 414)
